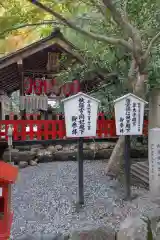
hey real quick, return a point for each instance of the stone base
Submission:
(31, 155)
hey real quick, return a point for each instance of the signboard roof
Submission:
(80, 94)
(130, 95)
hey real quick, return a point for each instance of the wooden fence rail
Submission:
(54, 129)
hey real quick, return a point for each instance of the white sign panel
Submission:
(80, 115)
(1, 192)
(129, 114)
(154, 160)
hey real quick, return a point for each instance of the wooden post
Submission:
(45, 115)
(21, 75)
(127, 165)
(80, 172)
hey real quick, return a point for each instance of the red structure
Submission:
(8, 175)
(55, 129)
(40, 86)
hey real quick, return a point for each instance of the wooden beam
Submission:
(38, 71)
(28, 51)
(24, 54)
(21, 74)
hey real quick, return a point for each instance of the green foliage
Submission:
(14, 12)
(144, 15)
(99, 57)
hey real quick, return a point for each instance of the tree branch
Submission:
(123, 23)
(47, 22)
(98, 6)
(125, 9)
(154, 39)
(27, 25)
(110, 40)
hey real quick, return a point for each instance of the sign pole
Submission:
(129, 115)
(127, 166)
(80, 121)
(10, 142)
(80, 172)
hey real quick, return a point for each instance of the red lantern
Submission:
(53, 82)
(43, 86)
(76, 87)
(67, 89)
(48, 86)
(37, 87)
(28, 85)
(56, 89)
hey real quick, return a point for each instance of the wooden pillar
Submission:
(153, 142)
(154, 109)
(21, 75)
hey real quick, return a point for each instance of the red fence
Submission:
(55, 129)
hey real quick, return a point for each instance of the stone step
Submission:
(140, 178)
(141, 166)
(141, 171)
(138, 171)
(144, 164)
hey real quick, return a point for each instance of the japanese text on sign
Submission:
(82, 121)
(158, 159)
(74, 125)
(155, 161)
(134, 119)
(78, 123)
(89, 114)
(81, 115)
(121, 125)
(152, 160)
(128, 113)
(139, 117)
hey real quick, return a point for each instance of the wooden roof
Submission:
(34, 57)
(8, 173)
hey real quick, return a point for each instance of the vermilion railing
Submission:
(55, 129)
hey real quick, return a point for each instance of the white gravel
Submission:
(44, 199)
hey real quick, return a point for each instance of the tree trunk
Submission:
(115, 162)
(139, 88)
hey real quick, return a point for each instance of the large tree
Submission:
(132, 40)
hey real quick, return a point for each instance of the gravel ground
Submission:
(44, 199)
